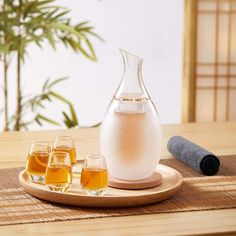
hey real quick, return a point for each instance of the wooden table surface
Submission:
(219, 138)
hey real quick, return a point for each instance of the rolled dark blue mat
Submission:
(193, 155)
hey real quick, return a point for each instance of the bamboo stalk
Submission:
(5, 89)
(5, 81)
(18, 93)
(18, 77)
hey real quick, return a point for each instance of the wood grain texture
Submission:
(216, 137)
(219, 138)
(189, 61)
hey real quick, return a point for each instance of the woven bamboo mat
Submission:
(197, 193)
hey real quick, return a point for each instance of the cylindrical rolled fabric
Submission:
(193, 155)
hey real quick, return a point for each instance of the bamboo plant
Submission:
(26, 22)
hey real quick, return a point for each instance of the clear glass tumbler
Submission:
(37, 161)
(58, 176)
(66, 144)
(94, 175)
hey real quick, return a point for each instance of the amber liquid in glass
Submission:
(58, 175)
(70, 150)
(37, 163)
(94, 179)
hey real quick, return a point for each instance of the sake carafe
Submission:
(131, 136)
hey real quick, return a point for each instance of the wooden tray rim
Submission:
(125, 200)
(34, 187)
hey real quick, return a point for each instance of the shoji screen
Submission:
(212, 48)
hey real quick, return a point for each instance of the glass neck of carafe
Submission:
(131, 86)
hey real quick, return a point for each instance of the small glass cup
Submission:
(66, 144)
(94, 175)
(37, 161)
(58, 176)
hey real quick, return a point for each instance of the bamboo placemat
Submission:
(197, 193)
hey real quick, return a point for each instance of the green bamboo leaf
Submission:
(38, 44)
(77, 47)
(34, 7)
(64, 41)
(50, 14)
(44, 118)
(91, 49)
(95, 125)
(45, 84)
(28, 8)
(96, 36)
(73, 115)
(38, 121)
(86, 29)
(72, 43)
(61, 14)
(82, 24)
(26, 124)
(83, 51)
(91, 126)
(56, 82)
(67, 120)
(51, 39)
(48, 98)
(67, 28)
(67, 124)
(40, 104)
(59, 97)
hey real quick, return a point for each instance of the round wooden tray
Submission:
(171, 182)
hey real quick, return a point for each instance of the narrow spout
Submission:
(131, 59)
(132, 82)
